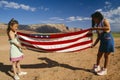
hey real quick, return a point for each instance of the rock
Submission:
(43, 28)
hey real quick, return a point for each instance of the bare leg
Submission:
(18, 66)
(20, 72)
(99, 56)
(14, 65)
(14, 68)
(106, 56)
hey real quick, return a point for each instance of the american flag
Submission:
(59, 42)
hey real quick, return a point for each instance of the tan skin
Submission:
(11, 36)
(105, 28)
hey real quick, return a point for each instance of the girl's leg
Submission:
(104, 70)
(18, 66)
(99, 56)
(96, 67)
(20, 72)
(14, 65)
(106, 56)
(14, 68)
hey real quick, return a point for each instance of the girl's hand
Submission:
(92, 46)
(92, 29)
(23, 47)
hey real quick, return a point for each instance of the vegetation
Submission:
(116, 34)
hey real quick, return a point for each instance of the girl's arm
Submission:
(100, 28)
(12, 36)
(106, 26)
(97, 40)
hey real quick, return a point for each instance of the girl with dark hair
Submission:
(15, 49)
(102, 27)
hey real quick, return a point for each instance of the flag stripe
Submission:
(64, 49)
(56, 45)
(40, 50)
(63, 42)
(53, 42)
(54, 39)
(75, 48)
(53, 35)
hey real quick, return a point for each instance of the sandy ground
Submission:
(59, 66)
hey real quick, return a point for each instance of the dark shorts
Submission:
(106, 42)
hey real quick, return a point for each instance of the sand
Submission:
(59, 66)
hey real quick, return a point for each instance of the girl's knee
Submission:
(99, 54)
(14, 62)
(106, 55)
(17, 62)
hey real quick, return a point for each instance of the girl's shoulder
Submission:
(105, 20)
(11, 35)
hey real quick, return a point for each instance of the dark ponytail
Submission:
(11, 23)
(96, 15)
(93, 23)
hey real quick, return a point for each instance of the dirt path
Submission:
(59, 66)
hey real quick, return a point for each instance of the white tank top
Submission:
(101, 24)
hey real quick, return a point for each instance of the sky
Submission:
(72, 13)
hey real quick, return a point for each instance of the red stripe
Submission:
(37, 43)
(57, 49)
(55, 42)
(54, 35)
(39, 50)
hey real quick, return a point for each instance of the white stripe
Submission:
(62, 45)
(52, 40)
(66, 50)
(76, 48)
(59, 45)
